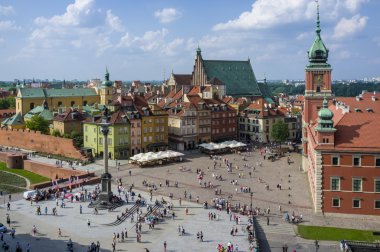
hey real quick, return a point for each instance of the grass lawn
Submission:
(11, 179)
(335, 234)
(33, 177)
(10, 189)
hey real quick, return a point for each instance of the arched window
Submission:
(84, 103)
(59, 104)
(72, 103)
(31, 106)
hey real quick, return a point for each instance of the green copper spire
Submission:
(107, 82)
(198, 50)
(318, 52)
(325, 122)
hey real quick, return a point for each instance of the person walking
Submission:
(59, 232)
(165, 246)
(88, 223)
(267, 221)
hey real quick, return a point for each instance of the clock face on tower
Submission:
(318, 79)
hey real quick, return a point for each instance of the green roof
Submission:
(14, 120)
(237, 76)
(39, 110)
(47, 93)
(318, 52)
(31, 92)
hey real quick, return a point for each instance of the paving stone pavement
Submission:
(294, 190)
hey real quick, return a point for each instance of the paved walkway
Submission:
(293, 196)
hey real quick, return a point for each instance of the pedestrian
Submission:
(267, 221)
(88, 223)
(165, 246)
(180, 201)
(113, 246)
(8, 206)
(80, 209)
(59, 232)
(187, 211)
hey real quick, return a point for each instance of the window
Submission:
(356, 203)
(85, 128)
(150, 129)
(100, 141)
(72, 103)
(357, 185)
(150, 138)
(86, 138)
(356, 161)
(109, 141)
(144, 139)
(377, 204)
(377, 162)
(335, 202)
(335, 184)
(335, 160)
(377, 185)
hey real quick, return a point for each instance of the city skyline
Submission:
(150, 39)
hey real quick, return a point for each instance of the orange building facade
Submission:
(341, 146)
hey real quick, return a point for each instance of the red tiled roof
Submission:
(228, 99)
(195, 90)
(183, 79)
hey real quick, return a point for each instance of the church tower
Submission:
(106, 90)
(317, 82)
(199, 75)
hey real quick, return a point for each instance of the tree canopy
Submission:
(8, 102)
(280, 131)
(38, 123)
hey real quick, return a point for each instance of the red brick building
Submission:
(341, 146)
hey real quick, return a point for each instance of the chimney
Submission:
(374, 98)
(358, 98)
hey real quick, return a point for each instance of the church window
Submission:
(72, 103)
(84, 103)
(59, 104)
(31, 106)
(318, 89)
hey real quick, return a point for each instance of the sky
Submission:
(147, 40)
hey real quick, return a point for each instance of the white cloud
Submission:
(353, 5)
(6, 10)
(114, 22)
(304, 35)
(76, 43)
(167, 15)
(270, 13)
(343, 55)
(72, 17)
(8, 25)
(347, 27)
(172, 47)
(151, 40)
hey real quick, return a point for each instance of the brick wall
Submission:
(36, 141)
(50, 171)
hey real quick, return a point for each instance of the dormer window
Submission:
(358, 110)
(369, 110)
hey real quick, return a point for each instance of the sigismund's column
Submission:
(106, 193)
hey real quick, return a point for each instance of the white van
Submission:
(29, 194)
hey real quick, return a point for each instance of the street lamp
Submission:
(251, 201)
(316, 243)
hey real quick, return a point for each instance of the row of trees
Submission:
(38, 123)
(339, 89)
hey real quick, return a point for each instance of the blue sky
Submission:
(77, 39)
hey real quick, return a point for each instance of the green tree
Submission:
(77, 139)
(4, 103)
(280, 131)
(38, 123)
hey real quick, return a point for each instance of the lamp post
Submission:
(316, 243)
(251, 201)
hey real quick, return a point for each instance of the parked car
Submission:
(3, 229)
(29, 194)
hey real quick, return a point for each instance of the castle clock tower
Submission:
(317, 82)
(318, 77)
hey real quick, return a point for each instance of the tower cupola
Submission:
(325, 122)
(107, 82)
(318, 52)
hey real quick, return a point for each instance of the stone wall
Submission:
(50, 171)
(13, 160)
(32, 140)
